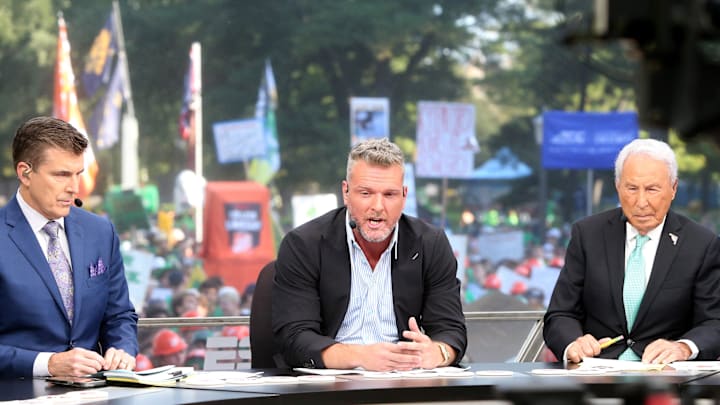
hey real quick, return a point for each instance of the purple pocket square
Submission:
(97, 269)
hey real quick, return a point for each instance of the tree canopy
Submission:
(507, 57)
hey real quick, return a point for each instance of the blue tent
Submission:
(503, 166)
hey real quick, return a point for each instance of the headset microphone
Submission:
(78, 202)
(352, 224)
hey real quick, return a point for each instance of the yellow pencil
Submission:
(612, 341)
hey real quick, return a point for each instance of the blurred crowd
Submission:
(522, 275)
(179, 287)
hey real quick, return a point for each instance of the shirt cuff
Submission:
(40, 366)
(564, 357)
(694, 351)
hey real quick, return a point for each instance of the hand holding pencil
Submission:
(608, 343)
(588, 346)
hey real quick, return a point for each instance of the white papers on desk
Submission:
(233, 378)
(696, 365)
(613, 365)
(440, 372)
(328, 371)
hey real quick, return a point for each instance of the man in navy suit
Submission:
(672, 310)
(89, 326)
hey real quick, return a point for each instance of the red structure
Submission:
(237, 233)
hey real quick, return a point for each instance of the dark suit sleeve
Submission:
(296, 306)
(442, 317)
(705, 332)
(565, 314)
(119, 325)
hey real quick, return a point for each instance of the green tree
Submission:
(529, 68)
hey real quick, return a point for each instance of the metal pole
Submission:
(198, 129)
(589, 197)
(538, 127)
(443, 196)
(129, 149)
(542, 204)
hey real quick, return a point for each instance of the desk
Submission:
(355, 389)
(358, 390)
(23, 389)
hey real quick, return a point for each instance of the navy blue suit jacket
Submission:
(34, 319)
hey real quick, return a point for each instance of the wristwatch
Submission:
(445, 354)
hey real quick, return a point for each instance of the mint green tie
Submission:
(634, 289)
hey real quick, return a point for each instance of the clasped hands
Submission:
(419, 352)
(79, 362)
(660, 351)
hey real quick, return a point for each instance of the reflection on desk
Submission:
(517, 387)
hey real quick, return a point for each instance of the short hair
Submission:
(376, 152)
(38, 134)
(211, 282)
(653, 148)
(230, 292)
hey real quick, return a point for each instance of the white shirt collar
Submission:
(36, 220)
(654, 234)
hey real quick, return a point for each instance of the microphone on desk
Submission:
(78, 202)
(352, 224)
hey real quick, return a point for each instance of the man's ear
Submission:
(23, 169)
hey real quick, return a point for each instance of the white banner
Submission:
(138, 266)
(307, 207)
(501, 245)
(459, 247)
(411, 198)
(445, 140)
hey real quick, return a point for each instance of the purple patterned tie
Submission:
(60, 267)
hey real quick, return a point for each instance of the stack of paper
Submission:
(696, 365)
(594, 363)
(165, 376)
(440, 372)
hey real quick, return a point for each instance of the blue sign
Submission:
(585, 140)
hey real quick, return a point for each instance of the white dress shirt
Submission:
(37, 221)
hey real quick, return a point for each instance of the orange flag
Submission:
(65, 106)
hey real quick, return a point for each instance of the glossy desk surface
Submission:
(354, 389)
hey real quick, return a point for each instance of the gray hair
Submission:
(651, 147)
(376, 152)
(230, 292)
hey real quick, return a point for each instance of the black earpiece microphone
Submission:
(352, 224)
(78, 202)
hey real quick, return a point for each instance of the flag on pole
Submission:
(263, 169)
(65, 105)
(190, 105)
(105, 121)
(98, 63)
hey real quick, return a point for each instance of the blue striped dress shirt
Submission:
(370, 316)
